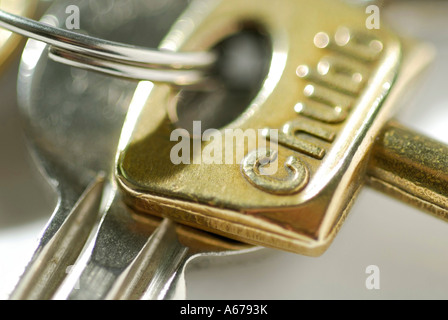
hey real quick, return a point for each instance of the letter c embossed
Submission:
(298, 174)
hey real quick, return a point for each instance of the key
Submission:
(139, 257)
(130, 262)
(81, 186)
(333, 86)
(73, 128)
(8, 40)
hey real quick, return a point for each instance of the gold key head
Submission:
(8, 40)
(331, 86)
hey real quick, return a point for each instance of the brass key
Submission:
(345, 74)
(332, 87)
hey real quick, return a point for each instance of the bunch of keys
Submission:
(322, 110)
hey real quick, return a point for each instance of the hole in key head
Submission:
(243, 64)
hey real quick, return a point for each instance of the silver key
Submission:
(73, 120)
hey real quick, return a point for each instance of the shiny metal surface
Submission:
(77, 150)
(139, 258)
(113, 68)
(409, 269)
(115, 58)
(321, 158)
(411, 167)
(73, 120)
(8, 40)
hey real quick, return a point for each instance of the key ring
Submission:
(113, 58)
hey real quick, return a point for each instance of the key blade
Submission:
(155, 267)
(327, 125)
(48, 267)
(412, 168)
(140, 257)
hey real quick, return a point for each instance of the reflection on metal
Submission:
(297, 179)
